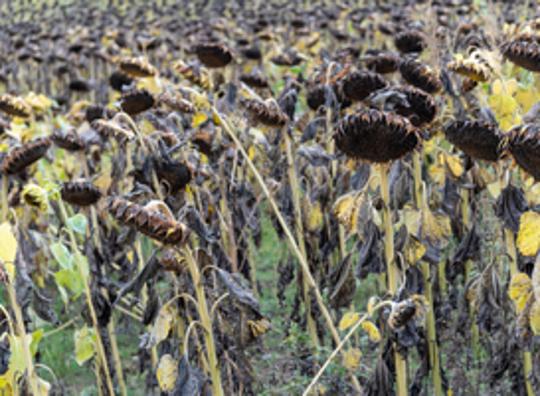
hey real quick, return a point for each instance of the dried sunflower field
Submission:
(237, 198)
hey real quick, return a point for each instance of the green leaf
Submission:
(71, 280)
(36, 338)
(62, 255)
(78, 223)
(82, 261)
(85, 341)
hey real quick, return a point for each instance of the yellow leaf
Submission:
(437, 173)
(346, 209)
(351, 358)
(414, 250)
(371, 329)
(8, 243)
(435, 227)
(349, 319)
(372, 302)
(166, 373)
(412, 219)
(198, 119)
(520, 290)
(251, 152)
(528, 240)
(315, 217)
(151, 84)
(494, 189)
(533, 194)
(454, 165)
(164, 323)
(496, 87)
(38, 102)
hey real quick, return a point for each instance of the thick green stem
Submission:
(206, 321)
(392, 272)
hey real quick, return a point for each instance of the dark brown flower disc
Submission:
(524, 145)
(420, 75)
(175, 175)
(23, 156)
(213, 55)
(149, 222)
(523, 52)
(410, 41)
(478, 139)
(80, 193)
(253, 52)
(254, 80)
(136, 101)
(137, 67)
(421, 108)
(69, 140)
(119, 80)
(383, 62)
(358, 85)
(96, 112)
(315, 96)
(79, 85)
(287, 58)
(267, 113)
(376, 136)
(14, 106)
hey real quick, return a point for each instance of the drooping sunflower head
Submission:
(524, 145)
(376, 136)
(478, 139)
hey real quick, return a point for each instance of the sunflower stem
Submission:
(433, 348)
(292, 242)
(206, 321)
(88, 294)
(392, 272)
(299, 228)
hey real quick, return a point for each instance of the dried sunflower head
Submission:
(524, 145)
(478, 139)
(382, 62)
(68, 140)
(267, 113)
(80, 193)
(421, 108)
(254, 80)
(119, 80)
(410, 40)
(196, 74)
(376, 136)
(420, 75)
(137, 67)
(405, 311)
(25, 155)
(176, 102)
(474, 67)
(524, 51)
(213, 55)
(14, 106)
(148, 221)
(359, 85)
(136, 101)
